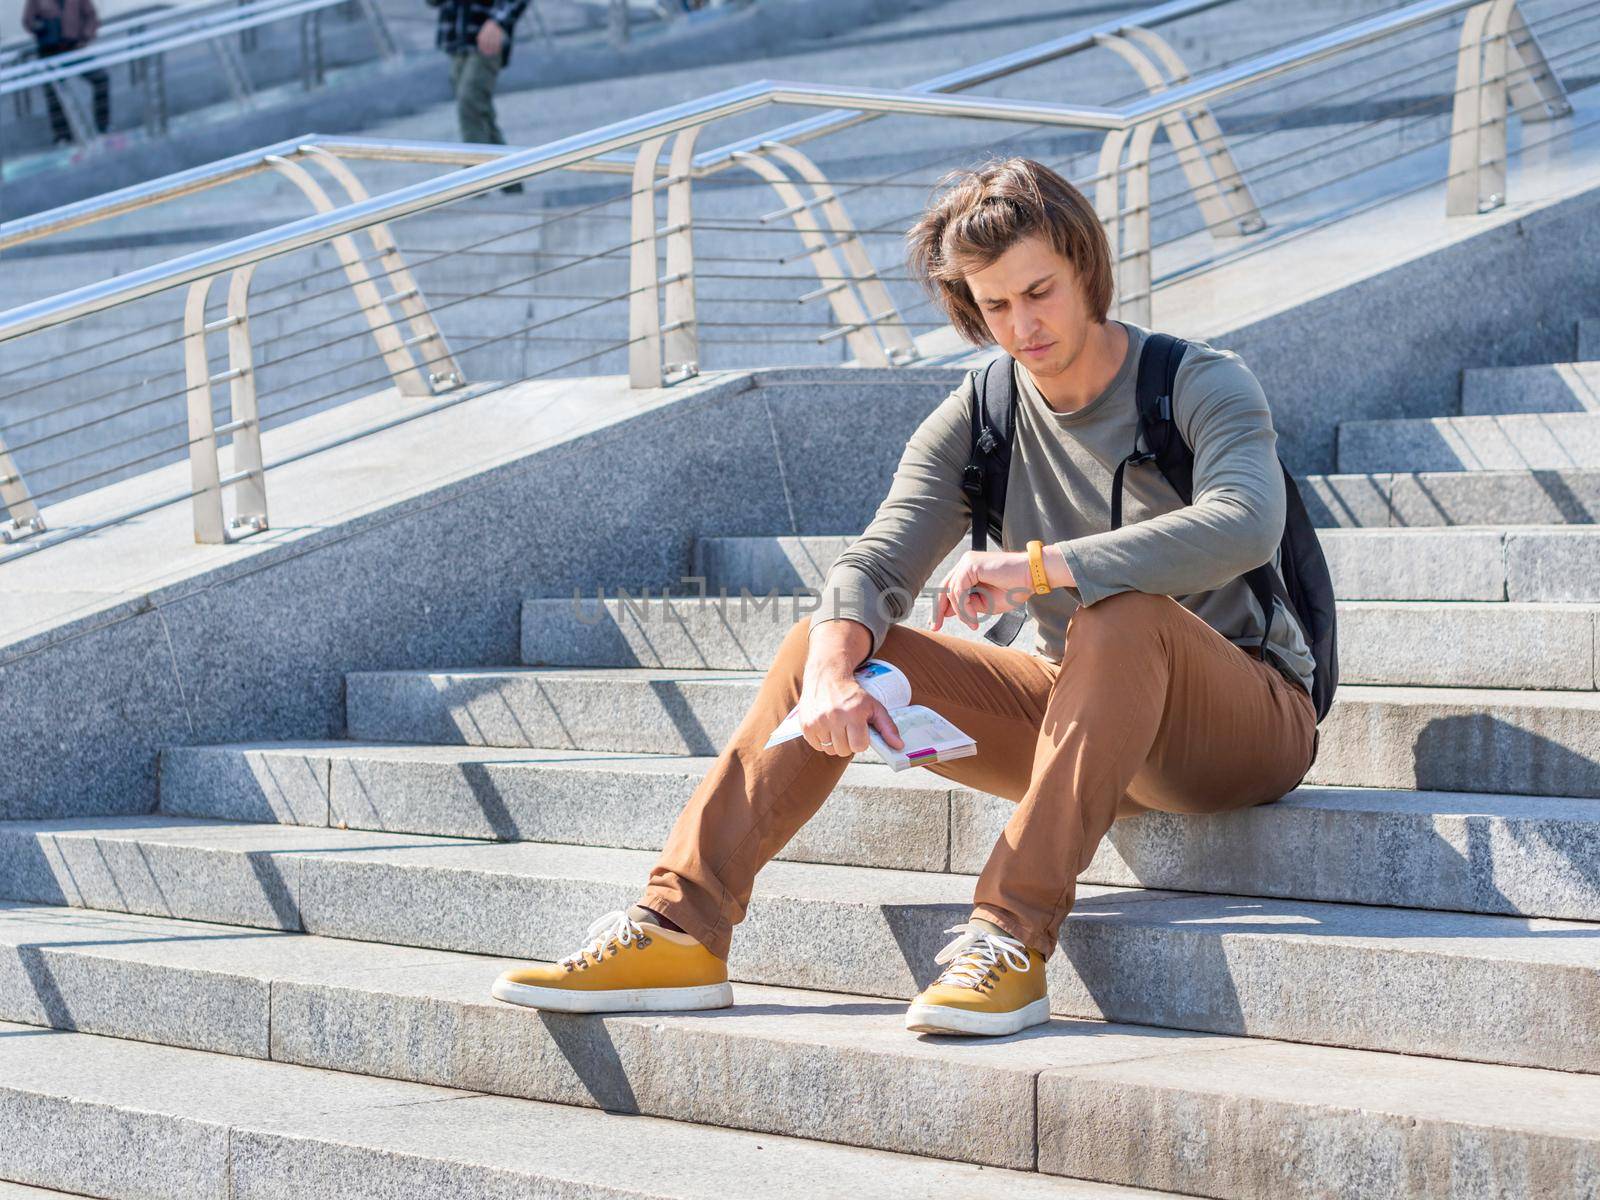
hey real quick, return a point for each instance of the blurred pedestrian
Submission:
(58, 27)
(476, 34)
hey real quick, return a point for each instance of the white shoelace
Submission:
(613, 927)
(976, 952)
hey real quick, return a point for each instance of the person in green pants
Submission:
(477, 34)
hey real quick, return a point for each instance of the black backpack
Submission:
(1304, 586)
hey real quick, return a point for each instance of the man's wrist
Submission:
(1056, 570)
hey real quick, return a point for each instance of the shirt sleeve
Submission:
(877, 580)
(506, 13)
(1235, 521)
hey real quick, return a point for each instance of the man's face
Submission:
(1034, 307)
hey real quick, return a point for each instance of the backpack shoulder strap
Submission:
(1157, 383)
(989, 460)
(1157, 379)
(994, 396)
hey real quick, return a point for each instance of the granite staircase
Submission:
(1387, 984)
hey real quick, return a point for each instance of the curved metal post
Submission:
(879, 304)
(1491, 34)
(390, 344)
(250, 498)
(440, 364)
(682, 337)
(17, 501)
(1128, 227)
(854, 324)
(205, 478)
(644, 312)
(1202, 151)
(1537, 93)
(244, 427)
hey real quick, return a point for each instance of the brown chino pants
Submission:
(1149, 708)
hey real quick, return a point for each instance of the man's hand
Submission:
(984, 583)
(491, 39)
(835, 711)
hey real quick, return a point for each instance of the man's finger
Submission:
(886, 727)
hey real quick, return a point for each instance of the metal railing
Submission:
(665, 327)
(708, 162)
(224, 32)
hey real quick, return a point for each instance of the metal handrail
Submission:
(588, 146)
(122, 25)
(1498, 54)
(97, 208)
(150, 42)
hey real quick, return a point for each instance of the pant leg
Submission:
(1152, 708)
(474, 82)
(60, 128)
(753, 800)
(100, 82)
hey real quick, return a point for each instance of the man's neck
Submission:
(1096, 366)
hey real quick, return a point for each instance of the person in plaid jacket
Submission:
(477, 34)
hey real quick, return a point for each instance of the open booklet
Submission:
(928, 737)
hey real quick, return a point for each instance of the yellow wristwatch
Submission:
(1041, 582)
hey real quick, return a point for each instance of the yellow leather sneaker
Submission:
(625, 966)
(993, 985)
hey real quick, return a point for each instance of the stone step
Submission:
(1563, 496)
(802, 1064)
(135, 1121)
(1548, 388)
(1463, 563)
(1526, 442)
(796, 1064)
(1531, 564)
(1515, 855)
(21, 1191)
(1401, 643)
(1589, 339)
(1242, 1121)
(1409, 981)
(1439, 739)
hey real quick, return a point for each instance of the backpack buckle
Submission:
(987, 441)
(972, 479)
(1139, 457)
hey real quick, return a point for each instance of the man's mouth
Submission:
(1038, 348)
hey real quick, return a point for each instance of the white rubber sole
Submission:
(936, 1018)
(714, 995)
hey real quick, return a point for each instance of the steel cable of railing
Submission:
(182, 392)
(1169, 153)
(336, 267)
(612, 300)
(1256, 174)
(33, 547)
(257, 316)
(1416, 147)
(1245, 251)
(377, 379)
(1258, 170)
(1156, 207)
(1125, 97)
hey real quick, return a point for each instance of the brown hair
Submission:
(983, 213)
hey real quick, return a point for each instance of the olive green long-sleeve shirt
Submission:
(1059, 491)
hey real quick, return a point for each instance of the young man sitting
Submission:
(1145, 688)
